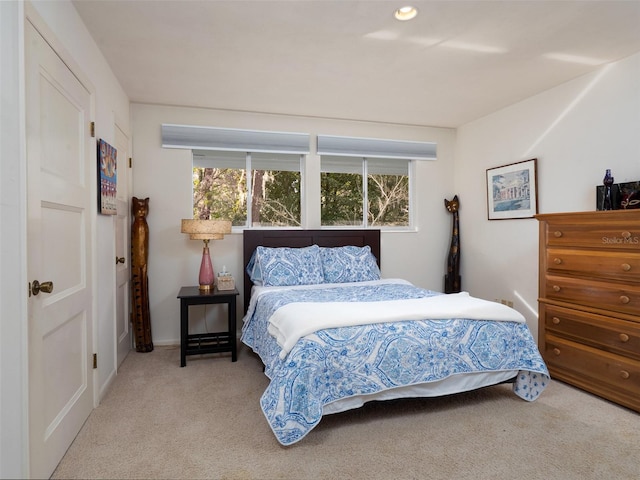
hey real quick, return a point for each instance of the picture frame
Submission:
(512, 190)
(615, 197)
(624, 196)
(107, 178)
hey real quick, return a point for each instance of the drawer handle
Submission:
(623, 337)
(555, 320)
(557, 261)
(556, 288)
(624, 299)
(626, 267)
(626, 235)
(624, 374)
(556, 351)
(557, 234)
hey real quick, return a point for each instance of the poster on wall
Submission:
(512, 191)
(107, 178)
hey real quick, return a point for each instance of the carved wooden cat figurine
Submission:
(141, 315)
(452, 282)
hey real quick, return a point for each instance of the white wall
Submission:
(164, 175)
(59, 22)
(576, 131)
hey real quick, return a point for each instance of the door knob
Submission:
(119, 260)
(37, 287)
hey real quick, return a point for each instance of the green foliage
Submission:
(280, 202)
(388, 200)
(341, 202)
(342, 199)
(222, 193)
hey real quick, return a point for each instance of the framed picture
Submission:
(512, 191)
(615, 197)
(107, 178)
(629, 195)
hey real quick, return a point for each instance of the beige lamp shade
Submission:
(205, 229)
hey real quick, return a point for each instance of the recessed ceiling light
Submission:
(406, 13)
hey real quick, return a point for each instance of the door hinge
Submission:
(130, 162)
(95, 360)
(93, 129)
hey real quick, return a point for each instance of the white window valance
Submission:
(229, 139)
(375, 148)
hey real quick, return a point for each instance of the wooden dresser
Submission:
(589, 305)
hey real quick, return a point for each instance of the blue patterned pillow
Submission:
(349, 264)
(284, 266)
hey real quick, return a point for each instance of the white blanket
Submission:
(295, 320)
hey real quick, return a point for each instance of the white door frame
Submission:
(122, 299)
(14, 426)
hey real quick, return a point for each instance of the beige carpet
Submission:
(203, 421)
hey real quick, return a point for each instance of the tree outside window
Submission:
(355, 191)
(221, 189)
(345, 196)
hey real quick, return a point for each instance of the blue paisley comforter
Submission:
(336, 363)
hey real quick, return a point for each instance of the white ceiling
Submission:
(456, 62)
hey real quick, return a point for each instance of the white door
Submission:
(123, 251)
(61, 183)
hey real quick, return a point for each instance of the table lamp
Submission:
(206, 230)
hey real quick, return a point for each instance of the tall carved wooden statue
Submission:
(452, 282)
(139, 279)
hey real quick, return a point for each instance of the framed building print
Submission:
(107, 178)
(512, 191)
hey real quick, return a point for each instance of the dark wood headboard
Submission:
(303, 238)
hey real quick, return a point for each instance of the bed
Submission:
(333, 335)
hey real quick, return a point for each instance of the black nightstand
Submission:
(201, 343)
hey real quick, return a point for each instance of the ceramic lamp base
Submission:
(206, 277)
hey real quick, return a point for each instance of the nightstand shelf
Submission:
(204, 343)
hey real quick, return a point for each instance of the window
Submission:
(255, 177)
(388, 192)
(251, 177)
(225, 183)
(364, 192)
(367, 181)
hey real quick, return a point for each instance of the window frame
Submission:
(248, 169)
(364, 172)
(194, 137)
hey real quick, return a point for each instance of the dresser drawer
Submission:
(594, 368)
(610, 236)
(611, 334)
(606, 296)
(624, 266)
